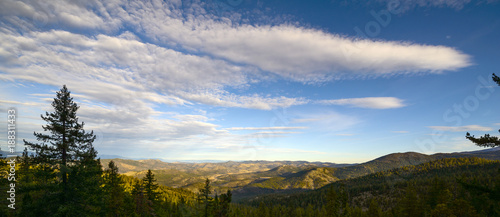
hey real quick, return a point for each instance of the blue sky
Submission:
(336, 81)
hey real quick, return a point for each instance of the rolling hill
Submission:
(395, 190)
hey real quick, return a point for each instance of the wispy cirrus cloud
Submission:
(367, 102)
(461, 128)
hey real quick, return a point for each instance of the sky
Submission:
(331, 81)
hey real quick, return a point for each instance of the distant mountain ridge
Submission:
(257, 177)
(128, 165)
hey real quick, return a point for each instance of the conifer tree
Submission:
(150, 186)
(486, 140)
(205, 197)
(114, 191)
(67, 149)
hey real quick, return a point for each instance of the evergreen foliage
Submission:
(150, 186)
(66, 151)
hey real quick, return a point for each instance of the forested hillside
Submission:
(445, 187)
(251, 178)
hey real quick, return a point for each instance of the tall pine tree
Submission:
(68, 150)
(114, 191)
(150, 186)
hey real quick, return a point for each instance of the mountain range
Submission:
(250, 178)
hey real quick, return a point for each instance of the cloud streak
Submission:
(293, 52)
(367, 102)
(461, 128)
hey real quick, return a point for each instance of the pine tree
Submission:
(486, 140)
(205, 198)
(67, 149)
(150, 186)
(114, 191)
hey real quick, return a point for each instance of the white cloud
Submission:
(115, 122)
(9, 102)
(297, 53)
(461, 128)
(88, 15)
(211, 54)
(367, 102)
(126, 70)
(226, 99)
